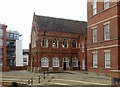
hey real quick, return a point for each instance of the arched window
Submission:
(65, 43)
(44, 42)
(44, 62)
(55, 43)
(75, 62)
(74, 44)
(55, 62)
(66, 60)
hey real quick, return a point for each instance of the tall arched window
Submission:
(75, 62)
(66, 62)
(65, 43)
(74, 44)
(55, 62)
(55, 43)
(44, 62)
(44, 42)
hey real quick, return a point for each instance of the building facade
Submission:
(57, 44)
(103, 36)
(3, 61)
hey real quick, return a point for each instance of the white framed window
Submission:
(83, 64)
(1, 42)
(1, 61)
(106, 32)
(94, 7)
(74, 44)
(44, 42)
(95, 60)
(67, 61)
(94, 31)
(1, 32)
(65, 43)
(75, 62)
(55, 62)
(55, 43)
(107, 59)
(83, 46)
(106, 4)
(44, 62)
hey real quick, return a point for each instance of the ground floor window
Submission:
(75, 62)
(95, 60)
(55, 62)
(83, 64)
(44, 62)
(107, 59)
(66, 61)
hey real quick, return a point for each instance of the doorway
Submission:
(65, 63)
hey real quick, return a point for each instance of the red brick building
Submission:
(103, 36)
(57, 44)
(3, 60)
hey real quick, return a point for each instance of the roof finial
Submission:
(34, 13)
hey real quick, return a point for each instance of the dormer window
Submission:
(44, 42)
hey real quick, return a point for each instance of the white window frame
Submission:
(106, 4)
(83, 64)
(44, 62)
(107, 60)
(75, 61)
(107, 34)
(1, 42)
(46, 42)
(83, 46)
(67, 62)
(53, 46)
(94, 7)
(1, 32)
(75, 44)
(55, 62)
(66, 42)
(94, 34)
(95, 59)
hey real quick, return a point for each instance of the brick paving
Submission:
(64, 78)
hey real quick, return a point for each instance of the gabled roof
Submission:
(60, 25)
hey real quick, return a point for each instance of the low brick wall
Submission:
(19, 68)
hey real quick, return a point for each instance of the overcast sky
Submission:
(18, 14)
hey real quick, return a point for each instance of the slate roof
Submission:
(60, 25)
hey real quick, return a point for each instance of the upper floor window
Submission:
(106, 32)
(65, 43)
(106, 4)
(44, 42)
(44, 62)
(1, 42)
(107, 59)
(94, 7)
(83, 46)
(95, 60)
(55, 43)
(74, 44)
(94, 31)
(55, 62)
(1, 32)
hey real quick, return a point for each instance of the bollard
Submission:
(47, 72)
(31, 81)
(44, 74)
(39, 78)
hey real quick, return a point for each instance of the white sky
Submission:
(18, 14)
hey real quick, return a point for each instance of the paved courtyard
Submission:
(66, 78)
